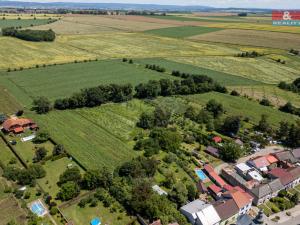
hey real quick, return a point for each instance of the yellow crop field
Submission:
(91, 24)
(277, 96)
(252, 37)
(259, 69)
(249, 26)
(67, 48)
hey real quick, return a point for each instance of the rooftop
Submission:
(243, 167)
(284, 176)
(208, 168)
(296, 153)
(255, 175)
(215, 189)
(194, 206)
(260, 162)
(271, 159)
(226, 209)
(158, 190)
(240, 198)
(218, 179)
(208, 216)
(285, 156)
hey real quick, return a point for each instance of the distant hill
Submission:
(106, 6)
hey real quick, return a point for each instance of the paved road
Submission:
(265, 151)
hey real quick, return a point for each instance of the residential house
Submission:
(284, 176)
(285, 156)
(272, 161)
(254, 175)
(242, 199)
(18, 126)
(296, 153)
(214, 176)
(235, 179)
(260, 163)
(212, 151)
(228, 211)
(295, 172)
(265, 191)
(215, 191)
(242, 169)
(217, 139)
(200, 213)
(158, 222)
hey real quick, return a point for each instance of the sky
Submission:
(283, 4)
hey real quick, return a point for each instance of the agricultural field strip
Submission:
(252, 38)
(23, 23)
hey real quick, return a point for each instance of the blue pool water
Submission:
(38, 209)
(201, 174)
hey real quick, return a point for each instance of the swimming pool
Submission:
(38, 208)
(201, 174)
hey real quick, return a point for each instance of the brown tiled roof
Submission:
(226, 209)
(271, 159)
(284, 176)
(9, 123)
(260, 162)
(240, 198)
(295, 172)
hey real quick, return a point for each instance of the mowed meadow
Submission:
(97, 137)
(103, 136)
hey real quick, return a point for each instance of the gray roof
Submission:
(296, 153)
(194, 206)
(244, 220)
(285, 156)
(276, 185)
(239, 178)
(261, 190)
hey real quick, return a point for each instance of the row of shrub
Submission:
(294, 86)
(155, 68)
(46, 65)
(252, 54)
(295, 52)
(30, 35)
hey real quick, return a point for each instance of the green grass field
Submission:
(221, 77)
(277, 96)
(181, 32)
(243, 107)
(27, 149)
(96, 137)
(6, 155)
(8, 103)
(49, 183)
(64, 80)
(85, 215)
(23, 22)
(258, 69)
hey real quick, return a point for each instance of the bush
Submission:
(275, 209)
(30, 35)
(53, 211)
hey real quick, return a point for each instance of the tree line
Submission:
(252, 54)
(30, 35)
(156, 68)
(96, 96)
(294, 86)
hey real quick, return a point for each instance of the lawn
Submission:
(27, 149)
(85, 215)
(8, 103)
(22, 22)
(221, 77)
(258, 69)
(182, 32)
(277, 96)
(6, 155)
(97, 137)
(243, 107)
(64, 80)
(49, 183)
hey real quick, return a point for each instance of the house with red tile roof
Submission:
(272, 160)
(227, 187)
(158, 222)
(217, 139)
(242, 199)
(284, 176)
(18, 126)
(261, 163)
(215, 191)
(214, 176)
(295, 172)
